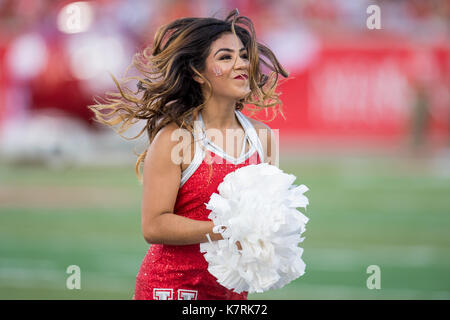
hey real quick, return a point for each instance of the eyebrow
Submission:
(227, 50)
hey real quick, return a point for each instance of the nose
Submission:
(240, 63)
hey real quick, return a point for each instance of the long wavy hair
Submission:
(166, 91)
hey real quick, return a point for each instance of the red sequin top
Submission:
(172, 272)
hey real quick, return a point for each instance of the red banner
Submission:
(381, 91)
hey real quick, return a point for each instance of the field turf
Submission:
(385, 211)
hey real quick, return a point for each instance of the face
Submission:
(227, 68)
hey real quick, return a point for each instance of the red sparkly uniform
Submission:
(171, 272)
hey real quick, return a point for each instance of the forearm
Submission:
(172, 229)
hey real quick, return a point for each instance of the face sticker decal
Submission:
(217, 71)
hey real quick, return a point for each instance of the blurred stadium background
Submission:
(366, 129)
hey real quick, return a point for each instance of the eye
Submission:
(227, 57)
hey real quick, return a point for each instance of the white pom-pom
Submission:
(257, 206)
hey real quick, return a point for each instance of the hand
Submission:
(216, 233)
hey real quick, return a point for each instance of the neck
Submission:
(220, 114)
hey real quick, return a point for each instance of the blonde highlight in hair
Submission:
(166, 91)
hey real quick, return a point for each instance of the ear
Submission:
(199, 79)
(197, 76)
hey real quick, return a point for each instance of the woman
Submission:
(198, 76)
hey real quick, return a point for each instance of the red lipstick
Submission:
(242, 77)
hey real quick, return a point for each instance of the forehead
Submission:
(227, 40)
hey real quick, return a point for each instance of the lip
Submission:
(241, 77)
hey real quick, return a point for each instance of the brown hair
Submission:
(167, 93)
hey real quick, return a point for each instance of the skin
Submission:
(227, 59)
(162, 175)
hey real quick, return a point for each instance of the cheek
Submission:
(220, 69)
(217, 70)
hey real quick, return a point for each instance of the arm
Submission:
(161, 181)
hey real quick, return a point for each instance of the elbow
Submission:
(152, 239)
(147, 237)
(153, 230)
(151, 235)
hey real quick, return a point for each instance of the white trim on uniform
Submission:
(201, 142)
(199, 154)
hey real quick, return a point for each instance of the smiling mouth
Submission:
(241, 77)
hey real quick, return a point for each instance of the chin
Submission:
(236, 94)
(241, 95)
(239, 98)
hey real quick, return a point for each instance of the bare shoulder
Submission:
(169, 142)
(259, 125)
(173, 145)
(164, 137)
(263, 130)
(266, 137)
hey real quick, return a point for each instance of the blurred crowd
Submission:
(55, 55)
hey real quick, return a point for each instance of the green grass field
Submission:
(363, 211)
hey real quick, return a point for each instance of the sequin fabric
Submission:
(181, 272)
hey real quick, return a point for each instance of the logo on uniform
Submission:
(167, 294)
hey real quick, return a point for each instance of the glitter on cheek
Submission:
(217, 71)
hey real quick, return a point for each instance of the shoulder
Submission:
(164, 137)
(263, 130)
(259, 126)
(168, 144)
(171, 135)
(266, 137)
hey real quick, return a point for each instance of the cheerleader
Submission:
(197, 77)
